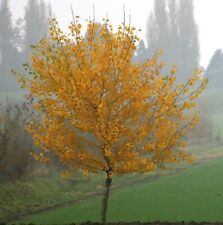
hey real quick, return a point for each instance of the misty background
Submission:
(175, 26)
(170, 25)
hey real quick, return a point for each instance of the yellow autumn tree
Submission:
(99, 110)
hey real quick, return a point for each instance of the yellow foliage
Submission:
(102, 112)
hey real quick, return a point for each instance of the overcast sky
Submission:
(208, 16)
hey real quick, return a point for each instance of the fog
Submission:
(190, 36)
(208, 16)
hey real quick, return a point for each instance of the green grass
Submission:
(24, 197)
(38, 193)
(193, 194)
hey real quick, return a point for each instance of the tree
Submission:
(173, 34)
(6, 32)
(35, 16)
(8, 52)
(204, 132)
(171, 27)
(102, 112)
(141, 55)
(15, 142)
(188, 36)
(157, 29)
(215, 70)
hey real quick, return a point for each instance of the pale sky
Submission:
(208, 16)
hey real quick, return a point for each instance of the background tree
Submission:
(102, 112)
(141, 54)
(9, 55)
(35, 17)
(171, 27)
(204, 132)
(15, 40)
(173, 34)
(15, 142)
(157, 29)
(188, 39)
(214, 71)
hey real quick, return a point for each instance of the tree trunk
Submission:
(105, 199)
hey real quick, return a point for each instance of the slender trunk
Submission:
(105, 199)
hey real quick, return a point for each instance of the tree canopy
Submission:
(99, 110)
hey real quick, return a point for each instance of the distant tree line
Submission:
(171, 27)
(16, 38)
(214, 71)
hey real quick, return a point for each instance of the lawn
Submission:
(39, 193)
(193, 194)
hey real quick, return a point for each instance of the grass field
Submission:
(193, 194)
(40, 193)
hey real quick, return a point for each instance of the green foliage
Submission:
(15, 143)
